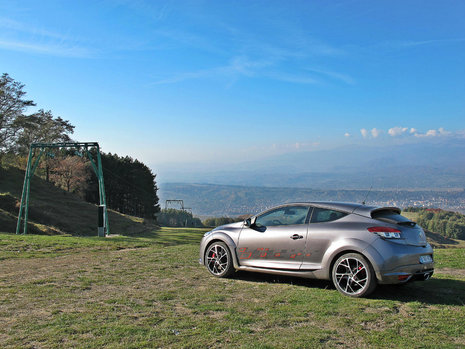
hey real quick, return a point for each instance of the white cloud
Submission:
(8, 24)
(440, 132)
(47, 49)
(397, 131)
(240, 66)
(335, 75)
(443, 132)
(23, 37)
(347, 134)
(412, 43)
(375, 132)
(296, 79)
(409, 132)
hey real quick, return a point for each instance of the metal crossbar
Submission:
(32, 165)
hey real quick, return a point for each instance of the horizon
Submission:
(214, 83)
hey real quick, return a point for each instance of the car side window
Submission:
(288, 215)
(321, 215)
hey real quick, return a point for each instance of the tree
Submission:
(17, 130)
(70, 173)
(178, 218)
(130, 186)
(12, 107)
(217, 221)
(41, 127)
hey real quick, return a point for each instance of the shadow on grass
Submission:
(448, 291)
(438, 241)
(282, 279)
(432, 292)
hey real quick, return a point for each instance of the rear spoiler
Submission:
(368, 211)
(395, 209)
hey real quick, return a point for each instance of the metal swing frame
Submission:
(32, 166)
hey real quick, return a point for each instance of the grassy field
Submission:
(150, 291)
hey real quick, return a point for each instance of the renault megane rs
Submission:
(353, 245)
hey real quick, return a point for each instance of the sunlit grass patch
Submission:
(450, 258)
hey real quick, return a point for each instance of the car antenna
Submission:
(366, 196)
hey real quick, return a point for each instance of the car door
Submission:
(323, 230)
(275, 239)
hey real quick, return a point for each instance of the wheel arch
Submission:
(335, 257)
(350, 246)
(221, 237)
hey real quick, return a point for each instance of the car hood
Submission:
(229, 226)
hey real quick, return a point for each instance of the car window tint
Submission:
(320, 215)
(288, 215)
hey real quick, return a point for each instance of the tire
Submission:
(218, 260)
(353, 275)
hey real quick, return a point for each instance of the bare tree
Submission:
(70, 173)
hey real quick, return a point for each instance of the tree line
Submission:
(130, 185)
(180, 218)
(447, 223)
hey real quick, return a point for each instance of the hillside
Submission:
(55, 211)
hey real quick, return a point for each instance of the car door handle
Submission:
(296, 236)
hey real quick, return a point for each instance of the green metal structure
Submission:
(33, 162)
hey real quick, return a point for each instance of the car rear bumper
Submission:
(418, 272)
(396, 263)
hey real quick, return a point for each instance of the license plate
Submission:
(426, 259)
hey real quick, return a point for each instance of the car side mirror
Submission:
(250, 222)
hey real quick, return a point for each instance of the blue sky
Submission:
(174, 82)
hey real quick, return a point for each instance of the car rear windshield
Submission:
(391, 216)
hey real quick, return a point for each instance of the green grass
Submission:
(413, 216)
(40, 246)
(450, 258)
(150, 291)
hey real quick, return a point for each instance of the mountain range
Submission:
(423, 165)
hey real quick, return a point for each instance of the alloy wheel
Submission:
(353, 275)
(218, 260)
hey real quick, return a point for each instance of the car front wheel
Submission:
(218, 260)
(353, 275)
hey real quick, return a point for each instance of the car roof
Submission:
(347, 207)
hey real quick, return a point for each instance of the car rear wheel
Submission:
(218, 260)
(353, 275)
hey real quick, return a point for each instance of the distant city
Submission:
(207, 200)
(436, 201)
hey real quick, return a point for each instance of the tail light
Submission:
(385, 232)
(403, 277)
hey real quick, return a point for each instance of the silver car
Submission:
(355, 246)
